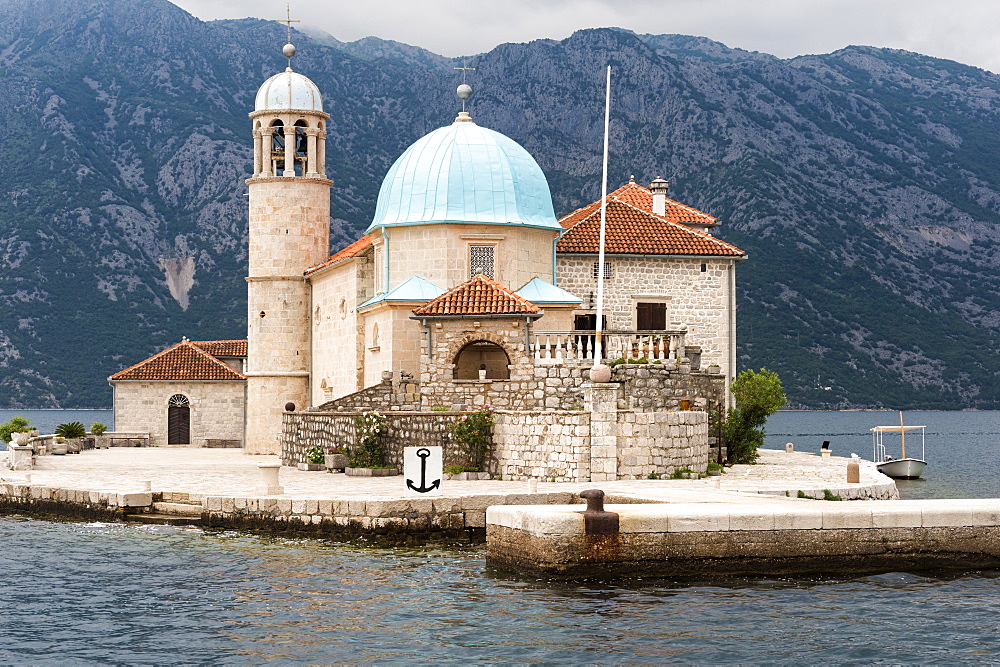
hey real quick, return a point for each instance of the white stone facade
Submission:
(216, 409)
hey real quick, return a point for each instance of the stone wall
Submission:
(303, 430)
(552, 446)
(696, 298)
(382, 397)
(652, 387)
(659, 443)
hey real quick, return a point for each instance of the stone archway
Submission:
(479, 355)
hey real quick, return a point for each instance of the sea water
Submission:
(103, 592)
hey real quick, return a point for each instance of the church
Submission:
(466, 288)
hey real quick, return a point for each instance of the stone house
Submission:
(192, 393)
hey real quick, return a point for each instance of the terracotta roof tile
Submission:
(478, 296)
(183, 361)
(223, 348)
(352, 250)
(631, 228)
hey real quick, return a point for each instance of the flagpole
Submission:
(599, 324)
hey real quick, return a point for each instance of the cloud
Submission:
(961, 31)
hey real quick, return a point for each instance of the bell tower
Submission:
(289, 232)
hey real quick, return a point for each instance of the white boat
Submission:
(904, 467)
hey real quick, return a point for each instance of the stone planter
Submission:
(715, 369)
(73, 445)
(20, 439)
(336, 461)
(58, 449)
(315, 467)
(469, 476)
(371, 472)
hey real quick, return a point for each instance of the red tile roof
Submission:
(478, 296)
(631, 228)
(352, 250)
(183, 361)
(223, 348)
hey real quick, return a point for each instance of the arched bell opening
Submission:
(482, 355)
(301, 148)
(178, 420)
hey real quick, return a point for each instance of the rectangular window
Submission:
(651, 316)
(481, 260)
(607, 270)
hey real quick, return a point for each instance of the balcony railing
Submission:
(558, 347)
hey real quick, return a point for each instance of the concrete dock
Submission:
(222, 488)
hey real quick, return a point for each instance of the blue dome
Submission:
(465, 173)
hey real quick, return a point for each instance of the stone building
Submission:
(465, 288)
(192, 393)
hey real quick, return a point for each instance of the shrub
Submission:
(71, 430)
(314, 455)
(368, 451)
(15, 425)
(758, 396)
(454, 470)
(829, 495)
(616, 362)
(473, 437)
(337, 450)
(97, 428)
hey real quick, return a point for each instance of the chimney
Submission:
(659, 189)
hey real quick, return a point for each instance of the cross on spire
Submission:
(288, 21)
(464, 91)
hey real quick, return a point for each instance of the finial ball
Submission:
(464, 91)
(288, 50)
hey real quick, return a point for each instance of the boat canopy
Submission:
(895, 429)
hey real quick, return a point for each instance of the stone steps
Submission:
(165, 519)
(178, 509)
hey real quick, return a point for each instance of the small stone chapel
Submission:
(464, 290)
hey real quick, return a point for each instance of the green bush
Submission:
(314, 455)
(473, 437)
(454, 470)
(758, 396)
(368, 450)
(97, 428)
(15, 425)
(71, 430)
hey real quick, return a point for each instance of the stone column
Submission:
(257, 157)
(266, 145)
(321, 154)
(289, 151)
(311, 153)
(601, 401)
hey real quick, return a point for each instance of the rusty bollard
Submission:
(596, 520)
(853, 472)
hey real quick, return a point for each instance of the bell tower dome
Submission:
(289, 232)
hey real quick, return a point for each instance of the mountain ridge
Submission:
(861, 182)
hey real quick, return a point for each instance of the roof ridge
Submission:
(214, 359)
(682, 226)
(183, 344)
(147, 359)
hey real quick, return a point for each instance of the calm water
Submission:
(47, 420)
(101, 593)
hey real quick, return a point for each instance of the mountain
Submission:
(863, 184)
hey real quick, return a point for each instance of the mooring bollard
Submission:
(269, 479)
(853, 470)
(789, 447)
(596, 520)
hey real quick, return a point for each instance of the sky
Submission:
(962, 30)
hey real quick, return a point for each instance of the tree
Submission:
(15, 425)
(758, 396)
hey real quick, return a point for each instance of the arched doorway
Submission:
(178, 420)
(482, 355)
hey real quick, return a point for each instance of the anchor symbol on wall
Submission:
(423, 453)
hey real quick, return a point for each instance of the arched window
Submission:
(178, 420)
(482, 355)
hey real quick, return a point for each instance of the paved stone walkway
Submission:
(230, 472)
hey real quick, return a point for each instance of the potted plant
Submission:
(314, 460)
(59, 447)
(368, 457)
(714, 369)
(473, 438)
(97, 430)
(336, 458)
(72, 432)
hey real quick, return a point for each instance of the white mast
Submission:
(598, 325)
